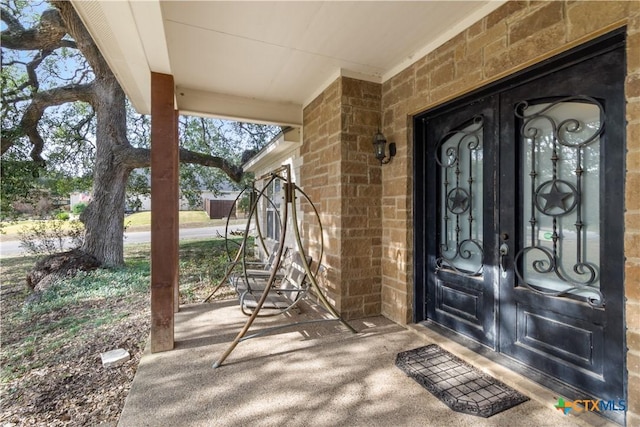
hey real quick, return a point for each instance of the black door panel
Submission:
(563, 291)
(527, 256)
(459, 166)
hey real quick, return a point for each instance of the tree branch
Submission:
(82, 37)
(141, 158)
(47, 34)
(82, 123)
(13, 24)
(233, 172)
(32, 80)
(35, 63)
(39, 103)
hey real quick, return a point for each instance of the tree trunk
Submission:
(104, 217)
(115, 157)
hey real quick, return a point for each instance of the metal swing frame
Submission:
(290, 188)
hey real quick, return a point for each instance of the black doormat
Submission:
(459, 385)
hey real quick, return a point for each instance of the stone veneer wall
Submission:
(513, 37)
(342, 177)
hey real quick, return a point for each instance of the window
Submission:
(273, 202)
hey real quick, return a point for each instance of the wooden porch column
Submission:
(164, 211)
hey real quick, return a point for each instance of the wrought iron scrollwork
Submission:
(456, 152)
(558, 198)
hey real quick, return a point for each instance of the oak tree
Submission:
(44, 102)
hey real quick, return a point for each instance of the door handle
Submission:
(504, 251)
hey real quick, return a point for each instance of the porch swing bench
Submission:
(258, 270)
(283, 295)
(287, 279)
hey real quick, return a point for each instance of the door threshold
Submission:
(542, 388)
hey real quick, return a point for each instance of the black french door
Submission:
(461, 165)
(519, 206)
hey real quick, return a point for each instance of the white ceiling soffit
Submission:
(263, 61)
(131, 37)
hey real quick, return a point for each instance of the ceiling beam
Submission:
(150, 25)
(202, 103)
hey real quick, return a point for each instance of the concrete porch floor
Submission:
(310, 375)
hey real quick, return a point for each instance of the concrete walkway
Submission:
(319, 375)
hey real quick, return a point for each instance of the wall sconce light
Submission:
(379, 148)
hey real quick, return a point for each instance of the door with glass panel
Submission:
(519, 221)
(461, 163)
(561, 224)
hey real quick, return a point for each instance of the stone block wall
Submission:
(320, 179)
(366, 209)
(515, 36)
(343, 178)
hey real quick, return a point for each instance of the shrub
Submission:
(49, 237)
(79, 208)
(63, 216)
